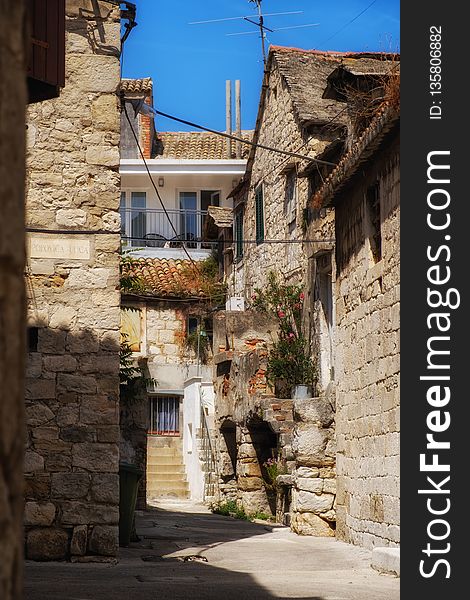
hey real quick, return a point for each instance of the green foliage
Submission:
(129, 282)
(132, 377)
(274, 467)
(199, 343)
(230, 509)
(289, 360)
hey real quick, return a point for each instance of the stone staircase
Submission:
(166, 476)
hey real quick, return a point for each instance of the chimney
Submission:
(147, 127)
(238, 119)
(228, 115)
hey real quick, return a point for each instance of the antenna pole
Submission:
(261, 29)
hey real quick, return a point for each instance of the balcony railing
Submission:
(152, 228)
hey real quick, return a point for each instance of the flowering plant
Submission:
(274, 467)
(289, 360)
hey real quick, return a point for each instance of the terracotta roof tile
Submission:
(194, 145)
(136, 85)
(166, 277)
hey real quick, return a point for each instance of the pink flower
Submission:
(301, 296)
(254, 297)
(291, 335)
(281, 314)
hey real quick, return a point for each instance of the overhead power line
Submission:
(243, 140)
(349, 22)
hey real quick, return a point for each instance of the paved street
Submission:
(244, 561)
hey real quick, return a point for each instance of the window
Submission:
(193, 207)
(259, 214)
(165, 415)
(290, 202)
(191, 325)
(238, 234)
(133, 213)
(373, 215)
(32, 339)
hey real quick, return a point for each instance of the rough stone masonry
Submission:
(72, 387)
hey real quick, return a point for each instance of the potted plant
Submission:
(289, 361)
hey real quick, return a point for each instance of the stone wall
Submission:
(250, 423)
(12, 305)
(72, 389)
(367, 360)
(279, 128)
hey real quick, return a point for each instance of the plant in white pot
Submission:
(289, 361)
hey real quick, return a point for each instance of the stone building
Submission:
(364, 189)
(72, 278)
(319, 107)
(168, 326)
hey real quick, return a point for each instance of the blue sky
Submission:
(190, 63)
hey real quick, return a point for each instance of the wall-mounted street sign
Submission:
(49, 247)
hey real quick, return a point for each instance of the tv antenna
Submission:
(259, 23)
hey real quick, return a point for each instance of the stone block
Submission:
(99, 410)
(309, 484)
(51, 341)
(39, 513)
(38, 414)
(105, 488)
(254, 501)
(104, 540)
(33, 365)
(76, 383)
(104, 111)
(33, 462)
(310, 502)
(37, 487)
(70, 486)
(71, 217)
(386, 560)
(63, 317)
(108, 433)
(102, 155)
(47, 544)
(78, 544)
(310, 524)
(89, 278)
(329, 486)
(63, 362)
(78, 433)
(93, 73)
(82, 341)
(106, 364)
(40, 389)
(307, 472)
(250, 483)
(249, 469)
(67, 415)
(96, 457)
(87, 513)
(44, 435)
(314, 410)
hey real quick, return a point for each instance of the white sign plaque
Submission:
(49, 247)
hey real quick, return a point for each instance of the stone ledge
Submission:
(386, 560)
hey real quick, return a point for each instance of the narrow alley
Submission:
(187, 552)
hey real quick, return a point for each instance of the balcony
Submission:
(152, 232)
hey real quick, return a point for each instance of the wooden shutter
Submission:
(46, 67)
(259, 212)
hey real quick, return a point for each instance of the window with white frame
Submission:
(133, 216)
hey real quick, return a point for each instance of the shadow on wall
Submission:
(145, 570)
(72, 445)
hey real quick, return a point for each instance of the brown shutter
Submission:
(47, 55)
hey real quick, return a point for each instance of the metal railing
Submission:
(152, 228)
(208, 457)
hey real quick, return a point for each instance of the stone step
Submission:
(165, 460)
(166, 487)
(164, 452)
(157, 476)
(169, 442)
(158, 496)
(173, 469)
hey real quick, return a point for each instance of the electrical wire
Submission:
(243, 140)
(349, 22)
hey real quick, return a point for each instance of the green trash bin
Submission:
(129, 477)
